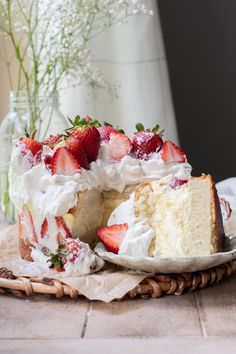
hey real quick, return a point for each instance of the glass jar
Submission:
(40, 117)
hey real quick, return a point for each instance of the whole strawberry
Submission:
(146, 142)
(85, 130)
(75, 145)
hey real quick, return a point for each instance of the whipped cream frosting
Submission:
(56, 194)
(139, 235)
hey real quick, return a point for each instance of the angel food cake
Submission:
(167, 218)
(68, 185)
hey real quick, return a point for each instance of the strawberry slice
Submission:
(172, 153)
(119, 146)
(175, 183)
(63, 230)
(44, 228)
(112, 236)
(105, 132)
(64, 162)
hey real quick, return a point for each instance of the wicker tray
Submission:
(153, 286)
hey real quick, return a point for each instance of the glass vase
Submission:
(41, 117)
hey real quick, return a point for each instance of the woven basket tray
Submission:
(153, 286)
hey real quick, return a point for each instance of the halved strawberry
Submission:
(52, 140)
(112, 236)
(172, 153)
(75, 145)
(119, 146)
(64, 162)
(105, 132)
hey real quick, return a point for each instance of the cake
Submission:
(167, 218)
(68, 185)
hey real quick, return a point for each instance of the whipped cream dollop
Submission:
(139, 235)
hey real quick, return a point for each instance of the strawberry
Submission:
(85, 130)
(75, 145)
(90, 138)
(105, 132)
(63, 230)
(47, 160)
(88, 119)
(34, 146)
(64, 162)
(175, 183)
(58, 269)
(112, 236)
(172, 153)
(119, 146)
(52, 140)
(146, 141)
(44, 228)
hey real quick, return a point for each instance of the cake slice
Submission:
(186, 218)
(171, 218)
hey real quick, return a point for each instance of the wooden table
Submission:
(200, 322)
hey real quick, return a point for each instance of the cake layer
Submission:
(187, 220)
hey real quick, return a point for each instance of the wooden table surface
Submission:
(200, 322)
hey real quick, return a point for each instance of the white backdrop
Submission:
(133, 56)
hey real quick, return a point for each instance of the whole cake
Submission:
(68, 186)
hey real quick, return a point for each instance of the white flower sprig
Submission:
(50, 39)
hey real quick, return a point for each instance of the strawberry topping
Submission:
(175, 183)
(119, 146)
(52, 140)
(105, 132)
(172, 153)
(64, 162)
(112, 236)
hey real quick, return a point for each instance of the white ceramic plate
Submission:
(171, 265)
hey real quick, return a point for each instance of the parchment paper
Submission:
(105, 285)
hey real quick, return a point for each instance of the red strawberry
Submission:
(34, 146)
(145, 143)
(177, 182)
(105, 132)
(63, 230)
(64, 162)
(44, 228)
(48, 160)
(75, 145)
(172, 153)
(90, 138)
(88, 119)
(112, 236)
(52, 140)
(119, 146)
(58, 269)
